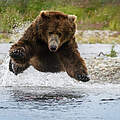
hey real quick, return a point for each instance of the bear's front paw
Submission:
(83, 78)
(18, 53)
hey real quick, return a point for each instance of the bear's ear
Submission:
(44, 14)
(72, 18)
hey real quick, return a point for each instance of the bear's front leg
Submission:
(73, 63)
(20, 52)
(17, 53)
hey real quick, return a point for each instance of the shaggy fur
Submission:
(49, 46)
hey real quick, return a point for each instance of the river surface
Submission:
(45, 96)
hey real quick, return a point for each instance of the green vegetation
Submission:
(112, 53)
(9, 19)
(92, 14)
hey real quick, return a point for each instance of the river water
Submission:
(45, 96)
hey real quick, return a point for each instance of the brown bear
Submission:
(49, 46)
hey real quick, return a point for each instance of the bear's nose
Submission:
(53, 48)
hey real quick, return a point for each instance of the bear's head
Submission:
(56, 28)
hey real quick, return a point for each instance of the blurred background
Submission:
(98, 21)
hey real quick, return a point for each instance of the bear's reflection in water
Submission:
(45, 93)
(62, 103)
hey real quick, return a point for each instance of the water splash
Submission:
(17, 32)
(32, 77)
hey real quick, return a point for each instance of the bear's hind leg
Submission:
(17, 68)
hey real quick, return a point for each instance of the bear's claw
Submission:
(83, 78)
(11, 66)
(18, 53)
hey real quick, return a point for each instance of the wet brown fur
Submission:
(34, 41)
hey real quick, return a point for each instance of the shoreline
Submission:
(82, 36)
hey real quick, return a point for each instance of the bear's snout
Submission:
(53, 43)
(53, 48)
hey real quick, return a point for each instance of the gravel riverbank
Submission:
(106, 70)
(98, 36)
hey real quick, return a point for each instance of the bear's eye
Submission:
(50, 33)
(59, 34)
